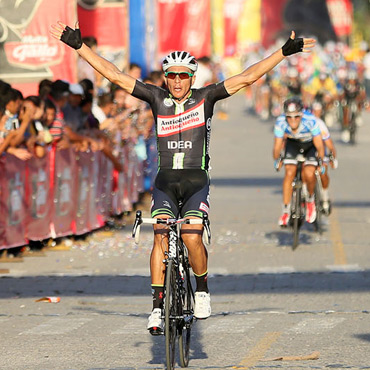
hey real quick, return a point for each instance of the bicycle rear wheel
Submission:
(170, 314)
(319, 209)
(188, 313)
(296, 215)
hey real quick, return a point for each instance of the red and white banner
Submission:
(184, 25)
(232, 11)
(341, 16)
(39, 198)
(106, 20)
(64, 192)
(28, 53)
(13, 204)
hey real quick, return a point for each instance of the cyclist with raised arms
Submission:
(183, 125)
(298, 132)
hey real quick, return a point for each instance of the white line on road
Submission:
(316, 325)
(234, 324)
(57, 326)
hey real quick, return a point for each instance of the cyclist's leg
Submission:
(308, 174)
(162, 207)
(194, 207)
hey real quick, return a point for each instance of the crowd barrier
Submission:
(64, 193)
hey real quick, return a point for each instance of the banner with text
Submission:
(184, 25)
(28, 53)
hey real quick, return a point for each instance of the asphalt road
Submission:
(272, 308)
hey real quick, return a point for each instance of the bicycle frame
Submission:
(296, 209)
(178, 311)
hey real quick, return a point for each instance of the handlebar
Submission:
(139, 220)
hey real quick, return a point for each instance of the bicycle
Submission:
(178, 307)
(297, 206)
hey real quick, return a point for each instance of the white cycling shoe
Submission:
(202, 307)
(155, 322)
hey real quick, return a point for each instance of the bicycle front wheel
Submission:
(188, 314)
(170, 314)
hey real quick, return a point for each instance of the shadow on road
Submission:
(247, 181)
(103, 285)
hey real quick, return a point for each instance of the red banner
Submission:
(64, 190)
(13, 180)
(3, 207)
(184, 25)
(38, 196)
(232, 11)
(84, 182)
(106, 21)
(271, 19)
(28, 53)
(341, 14)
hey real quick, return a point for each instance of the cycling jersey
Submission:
(325, 134)
(183, 129)
(307, 129)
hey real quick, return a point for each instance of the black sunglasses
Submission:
(295, 117)
(182, 75)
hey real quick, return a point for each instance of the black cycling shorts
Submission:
(181, 192)
(295, 147)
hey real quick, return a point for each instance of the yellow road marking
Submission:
(340, 257)
(258, 351)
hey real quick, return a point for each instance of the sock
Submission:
(311, 198)
(157, 294)
(325, 195)
(201, 281)
(286, 208)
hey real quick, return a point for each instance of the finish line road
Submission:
(272, 308)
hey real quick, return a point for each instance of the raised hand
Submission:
(293, 45)
(71, 37)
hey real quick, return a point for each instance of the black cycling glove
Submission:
(293, 46)
(72, 37)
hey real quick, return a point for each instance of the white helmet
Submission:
(180, 58)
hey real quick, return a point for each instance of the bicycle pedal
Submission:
(156, 331)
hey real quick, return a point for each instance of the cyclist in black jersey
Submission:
(183, 125)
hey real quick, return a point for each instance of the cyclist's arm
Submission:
(101, 65)
(257, 70)
(319, 145)
(253, 73)
(107, 69)
(278, 146)
(330, 145)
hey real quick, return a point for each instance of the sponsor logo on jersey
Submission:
(191, 101)
(203, 207)
(192, 118)
(168, 102)
(179, 144)
(166, 203)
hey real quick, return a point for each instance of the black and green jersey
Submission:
(183, 130)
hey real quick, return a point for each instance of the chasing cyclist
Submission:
(183, 125)
(297, 132)
(330, 156)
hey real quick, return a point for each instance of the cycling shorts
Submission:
(295, 147)
(181, 192)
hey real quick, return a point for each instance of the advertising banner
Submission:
(28, 53)
(84, 182)
(13, 180)
(107, 21)
(341, 16)
(39, 199)
(309, 17)
(3, 183)
(184, 25)
(64, 190)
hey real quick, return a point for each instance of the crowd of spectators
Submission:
(78, 115)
